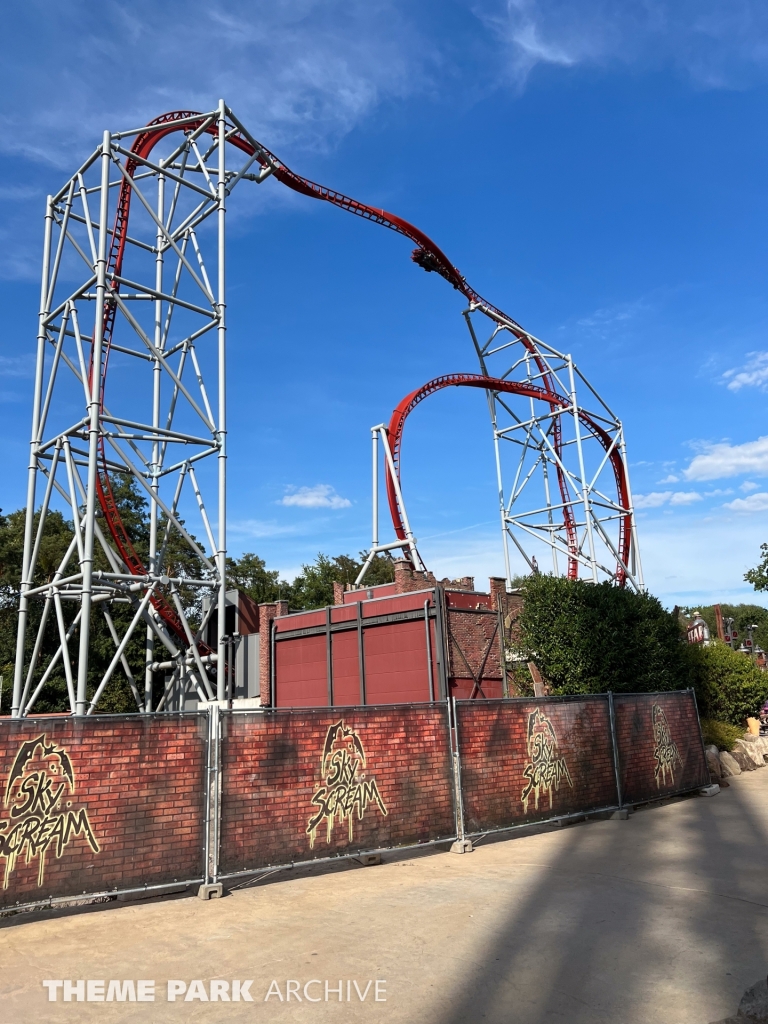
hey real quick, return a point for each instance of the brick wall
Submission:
(474, 653)
(267, 612)
(659, 741)
(380, 759)
(130, 807)
(507, 747)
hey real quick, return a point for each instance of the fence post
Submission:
(211, 887)
(615, 742)
(462, 844)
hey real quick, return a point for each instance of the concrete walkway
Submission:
(661, 919)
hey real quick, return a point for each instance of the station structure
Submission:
(131, 382)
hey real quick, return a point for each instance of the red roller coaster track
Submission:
(474, 380)
(426, 254)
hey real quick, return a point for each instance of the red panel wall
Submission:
(112, 802)
(346, 668)
(528, 760)
(660, 749)
(396, 663)
(368, 777)
(301, 672)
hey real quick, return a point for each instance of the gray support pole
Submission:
(155, 467)
(93, 431)
(615, 742)
(221, 433)
(26, 570)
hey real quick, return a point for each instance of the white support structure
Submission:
(563, 482)
(146, 300)
(380, 435)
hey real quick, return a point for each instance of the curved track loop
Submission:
(474, 380)
(426, 254)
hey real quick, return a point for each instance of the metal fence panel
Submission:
(525, 760)
(100, 803)
(318, 783)
(660, 746)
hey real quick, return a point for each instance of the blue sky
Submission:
(598, 170)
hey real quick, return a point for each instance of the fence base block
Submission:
(211, 891)
(620, 815)
(369, 859)
(462, 846)
(712, 790)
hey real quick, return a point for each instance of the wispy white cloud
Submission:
(721, 460)
(658, 498)
(754, 503)
(298, 71)
(717, 45)
(17, 366)
(319, 496)
(671, 479)
(749, 485)
(754, 374)
(258, 529)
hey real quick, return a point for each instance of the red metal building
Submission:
(413, 640)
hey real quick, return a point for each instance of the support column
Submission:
(221, 433)
(26, 582)
(94, 418)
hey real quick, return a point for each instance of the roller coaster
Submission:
(155, 296)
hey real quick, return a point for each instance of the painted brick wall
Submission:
(508, 746)
(474, 653)
(272, 766)
(660, 750)
(136, 783)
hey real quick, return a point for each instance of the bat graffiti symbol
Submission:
(665, 751)
(343, 791)
(545, 769)
(39, 814)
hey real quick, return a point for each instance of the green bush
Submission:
(589, 638)
(722, 734)
(729, 686)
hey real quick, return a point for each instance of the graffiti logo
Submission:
(665, 749)
(39, 815)
(343, 791)
(544, 769)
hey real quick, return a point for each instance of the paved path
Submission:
(661, 919)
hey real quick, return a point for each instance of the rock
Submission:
(713, 763)
(711, 749)
(743, 759)
(750, 751)
(754, 1004)
(753, 1008)
(729, 764)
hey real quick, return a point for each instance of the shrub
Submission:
(722, 734)
(729, 686)
(589, 638)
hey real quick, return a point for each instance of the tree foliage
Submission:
(729, 686)
(313, 587)
(758, 576)
(590, 638)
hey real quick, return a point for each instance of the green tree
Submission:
(758, 576)
(313, 587)
(590, 638)
(729, 686)
(249, 573)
